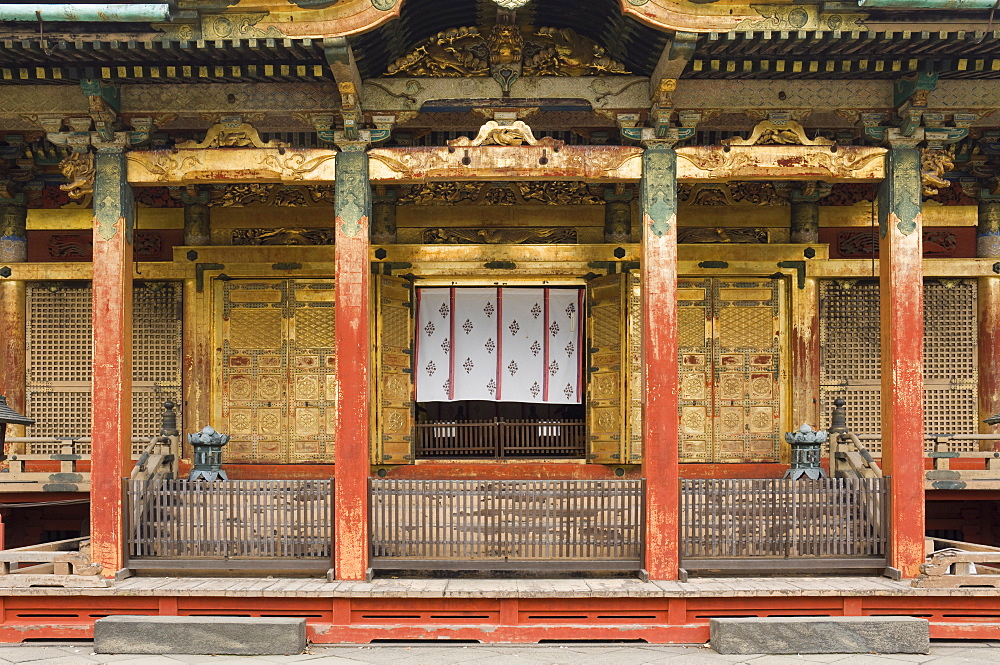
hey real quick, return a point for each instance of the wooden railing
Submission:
(850, 458)
(49, 464)
(781, 524)
(957, 447)
(230, 524)
(507, 524)
(499, 439)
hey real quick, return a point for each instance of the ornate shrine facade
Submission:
(679, 230)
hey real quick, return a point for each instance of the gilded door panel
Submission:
(312, 377)
(747, 361)
(609, 369)
(695, 372)
(394, 417)
(252, 369)
(276, 370)
(635, 368)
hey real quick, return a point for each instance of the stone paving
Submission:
(942, 653)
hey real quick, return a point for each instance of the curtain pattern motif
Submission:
(499, 344)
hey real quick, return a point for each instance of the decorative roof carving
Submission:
(271, 194)
(769, 132)
(541, 51)
(519, 236)
(283, 236)
(492, 193)
(721, 235)
(504, 133)
(231, 132)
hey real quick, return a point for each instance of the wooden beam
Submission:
(676, 54)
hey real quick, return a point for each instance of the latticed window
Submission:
(59, 340)
(850, 354)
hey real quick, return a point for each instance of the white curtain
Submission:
(499, 344)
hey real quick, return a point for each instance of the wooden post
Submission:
(659, 344)
(114, 218)
(988, 246)
(353, 308)
(902, 334)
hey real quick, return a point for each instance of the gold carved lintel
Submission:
(283, 236)
(692, 235)
(790, 162)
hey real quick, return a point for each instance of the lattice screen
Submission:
(59, 356)
(850, 356)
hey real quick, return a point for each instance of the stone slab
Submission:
(241, 636)
(788, 635)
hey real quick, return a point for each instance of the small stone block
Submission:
(795, 635)
(239, 636)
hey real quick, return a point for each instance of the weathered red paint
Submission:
(353, 308)
(902, 329)
(490, 620)
(989, 353)
(112, 395)
(659, 344)
(12, 358)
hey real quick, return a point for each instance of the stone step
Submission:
(796, 635)
(240, 636)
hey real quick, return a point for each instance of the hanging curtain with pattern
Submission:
(499, 344)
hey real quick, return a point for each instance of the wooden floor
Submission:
(496, 611)
(509, 588)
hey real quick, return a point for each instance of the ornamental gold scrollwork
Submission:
(506, 133)
(543, 51)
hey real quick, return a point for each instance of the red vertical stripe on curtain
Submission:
(451, 344)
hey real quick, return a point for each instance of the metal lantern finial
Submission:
(208, 454)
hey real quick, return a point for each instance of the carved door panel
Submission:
(608, 369)
(275, 370)
(393, 385)
(731, 372)
(747, 341)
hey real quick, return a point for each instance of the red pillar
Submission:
(902, 331)
(114, 216)
(988, 246)
(13, 249)
(659, 344)
(353, 308)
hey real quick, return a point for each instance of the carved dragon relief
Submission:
(934, 163)
(78, 168)
(544, 51)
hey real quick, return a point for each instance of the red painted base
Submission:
(489, 620)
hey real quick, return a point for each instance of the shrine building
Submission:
(588, 319)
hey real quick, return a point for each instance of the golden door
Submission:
(732, 370)
(275, 369)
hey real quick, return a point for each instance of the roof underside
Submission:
(126, 52)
